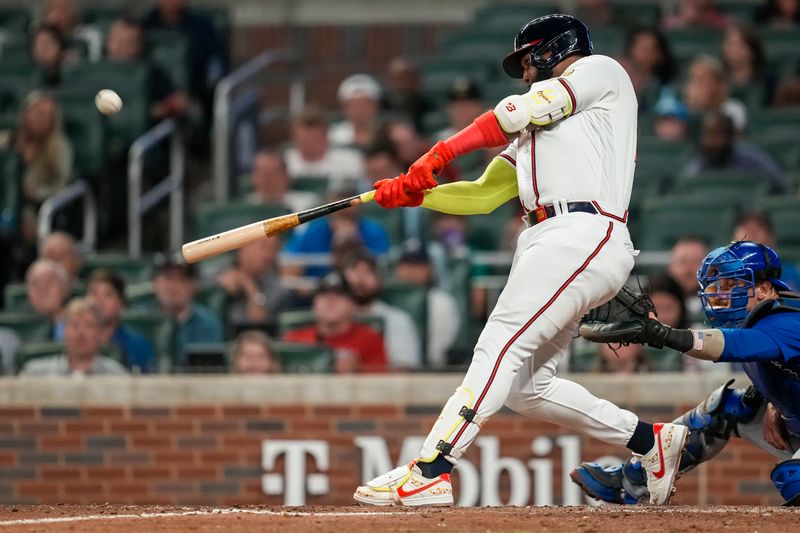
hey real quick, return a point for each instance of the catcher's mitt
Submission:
(624, 319)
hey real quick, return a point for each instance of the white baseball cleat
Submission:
(405, 485)
(662, 462)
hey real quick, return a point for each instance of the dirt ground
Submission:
(124, 518)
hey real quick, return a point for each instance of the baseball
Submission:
(108, 102)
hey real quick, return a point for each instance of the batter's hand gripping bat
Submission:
(236, 238)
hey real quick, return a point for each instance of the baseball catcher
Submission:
(757, 324)
(570, 145)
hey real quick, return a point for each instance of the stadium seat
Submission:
(9, 193)
(608, 41)
(217, 217)
(690, 42)
(132, 270)
(170, 51)
(299, 358)
(317, 184)
(130, 81)
(15, 19)
(781, 49)
(413, 299)
(781, 144)
(102, 16)
(85, 128)
(28, 326)
(660, 360)
(739, 188)
(390, 219)
(17, 80)
(14, 46)
(510, 17)
(485, 232)
(668, 218)
(635, 14)
(157, 328)
(785, 215)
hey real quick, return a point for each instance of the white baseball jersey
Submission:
(589, 155)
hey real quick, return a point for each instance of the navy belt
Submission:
(541, 214)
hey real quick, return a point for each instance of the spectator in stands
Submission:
(404, 99)
(667, 297)
(346, 225)
(311, 155)
(685, 260)
(83, 337)
(46, 156)
(9, 343)
(780, 13)
(47, 287)
(63, 14)
(360, 98)
(125, 44)
(745, 63)
(444, 318)
(671, 121)
(175, 288)
(464, 104)
(649, 62)
(207, 53)
(106, 290)
(270, 181)
(720, 150)
(358, 347)
(381, 161)
(402, 338)
(253, 284)
(696, 13)
(253, 354)
(622, 359)
(707, 89)
(60, 247)
(599, 12)
(757, 226)
(47, 52)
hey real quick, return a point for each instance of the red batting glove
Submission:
(422, 174)
(391, 193)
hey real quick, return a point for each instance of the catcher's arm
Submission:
(629, 317)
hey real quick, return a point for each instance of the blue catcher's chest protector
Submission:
(778, 381)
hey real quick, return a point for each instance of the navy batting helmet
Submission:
(561, 35)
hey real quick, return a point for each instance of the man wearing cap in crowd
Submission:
(358, 347)
(360, 98)
(444, 318)
(175, 288)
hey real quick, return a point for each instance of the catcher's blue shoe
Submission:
(604, 484)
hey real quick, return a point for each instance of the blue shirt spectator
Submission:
(322, 235)
(175, 289)
(106, 290)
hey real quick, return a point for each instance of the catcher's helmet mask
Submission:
(728, 276)
(549, 40)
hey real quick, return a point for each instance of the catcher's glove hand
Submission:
(625, 319)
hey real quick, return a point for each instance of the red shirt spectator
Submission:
(358, 348)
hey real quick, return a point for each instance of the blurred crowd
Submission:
(368, 290)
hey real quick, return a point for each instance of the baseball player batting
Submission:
(756, 323)
(571, 163)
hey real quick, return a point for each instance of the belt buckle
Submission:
(540, 213)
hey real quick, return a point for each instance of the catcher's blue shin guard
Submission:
(786, 477)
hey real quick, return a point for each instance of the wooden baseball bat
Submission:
(236, 238)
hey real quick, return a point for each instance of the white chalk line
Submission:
(766, 511)
(172, 514)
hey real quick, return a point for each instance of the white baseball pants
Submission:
(562, 268)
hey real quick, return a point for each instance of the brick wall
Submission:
(213, 454)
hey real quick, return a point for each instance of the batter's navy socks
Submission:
(642, 440)
(435, 468)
